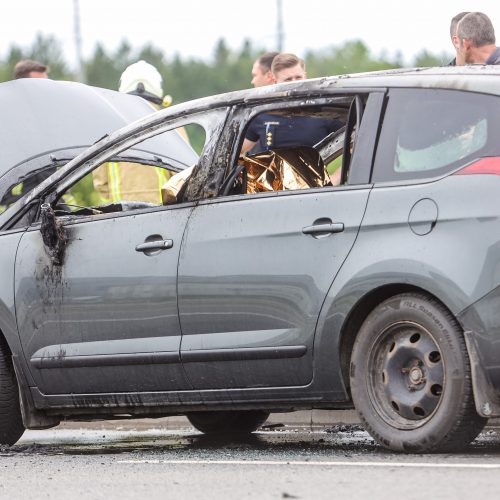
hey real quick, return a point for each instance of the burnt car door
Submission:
(95, 286)
(255, 269)
(105, 318)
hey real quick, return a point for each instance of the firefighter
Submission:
(117, 181)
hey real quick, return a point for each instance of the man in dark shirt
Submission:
(276, 131)
(269, 131)
(476, 40)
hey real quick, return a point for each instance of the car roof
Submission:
(475, 78)
(41, 116)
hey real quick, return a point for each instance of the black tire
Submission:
(228, 422)
(11, 422)
(410, 377)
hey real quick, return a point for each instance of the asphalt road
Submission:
(153, 463)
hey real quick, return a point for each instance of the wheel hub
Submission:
(412, 373)
(416, 376)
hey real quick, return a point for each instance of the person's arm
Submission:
(335, 177)
(247, 146)
(252, 135)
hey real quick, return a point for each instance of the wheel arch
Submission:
(4, 344)
(359, 313)
(32, 418)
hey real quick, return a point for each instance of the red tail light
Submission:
(488, 165)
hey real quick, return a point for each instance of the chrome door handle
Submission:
(154, 245)
(334, 227)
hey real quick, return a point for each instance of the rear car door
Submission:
(253, 274)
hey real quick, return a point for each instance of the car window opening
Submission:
(115, 186)
(296, 149)
(125, 182)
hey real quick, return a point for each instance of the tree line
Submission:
(189, 78)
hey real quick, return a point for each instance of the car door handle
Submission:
(334, 227)
(154, 245)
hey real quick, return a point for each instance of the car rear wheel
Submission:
(215, 422)
(410, 377)
(11, 422)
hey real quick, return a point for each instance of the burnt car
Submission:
(268, 282)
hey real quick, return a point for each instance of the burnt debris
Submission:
(53, 234)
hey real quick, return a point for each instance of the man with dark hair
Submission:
(476, 40)
(261, 70)
(30, 69)
(453, 35)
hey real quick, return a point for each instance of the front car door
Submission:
(98, 314)
(106, 319)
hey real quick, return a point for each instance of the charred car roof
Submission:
(477, 78)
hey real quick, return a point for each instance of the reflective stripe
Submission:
(17, 190)
(162, 179)
(69, 199)
(114, 181)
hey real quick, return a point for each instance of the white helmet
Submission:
(144, 80)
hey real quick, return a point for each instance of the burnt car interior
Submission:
(300, 166)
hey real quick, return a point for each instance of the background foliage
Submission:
(190, 78)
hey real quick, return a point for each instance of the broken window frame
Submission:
(245, 113)
(210, 120)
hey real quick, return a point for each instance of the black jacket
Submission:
(494, 58)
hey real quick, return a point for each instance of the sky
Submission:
(191, 28)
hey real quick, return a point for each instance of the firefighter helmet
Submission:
(144, 80)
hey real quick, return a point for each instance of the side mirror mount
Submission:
(53, 234)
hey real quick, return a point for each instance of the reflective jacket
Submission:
(117, 181)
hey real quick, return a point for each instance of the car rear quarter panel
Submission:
(457, 261)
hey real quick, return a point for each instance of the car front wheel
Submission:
(410, 377)
(215, 422)
(11, 423)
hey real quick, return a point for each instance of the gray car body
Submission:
(273, 332)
